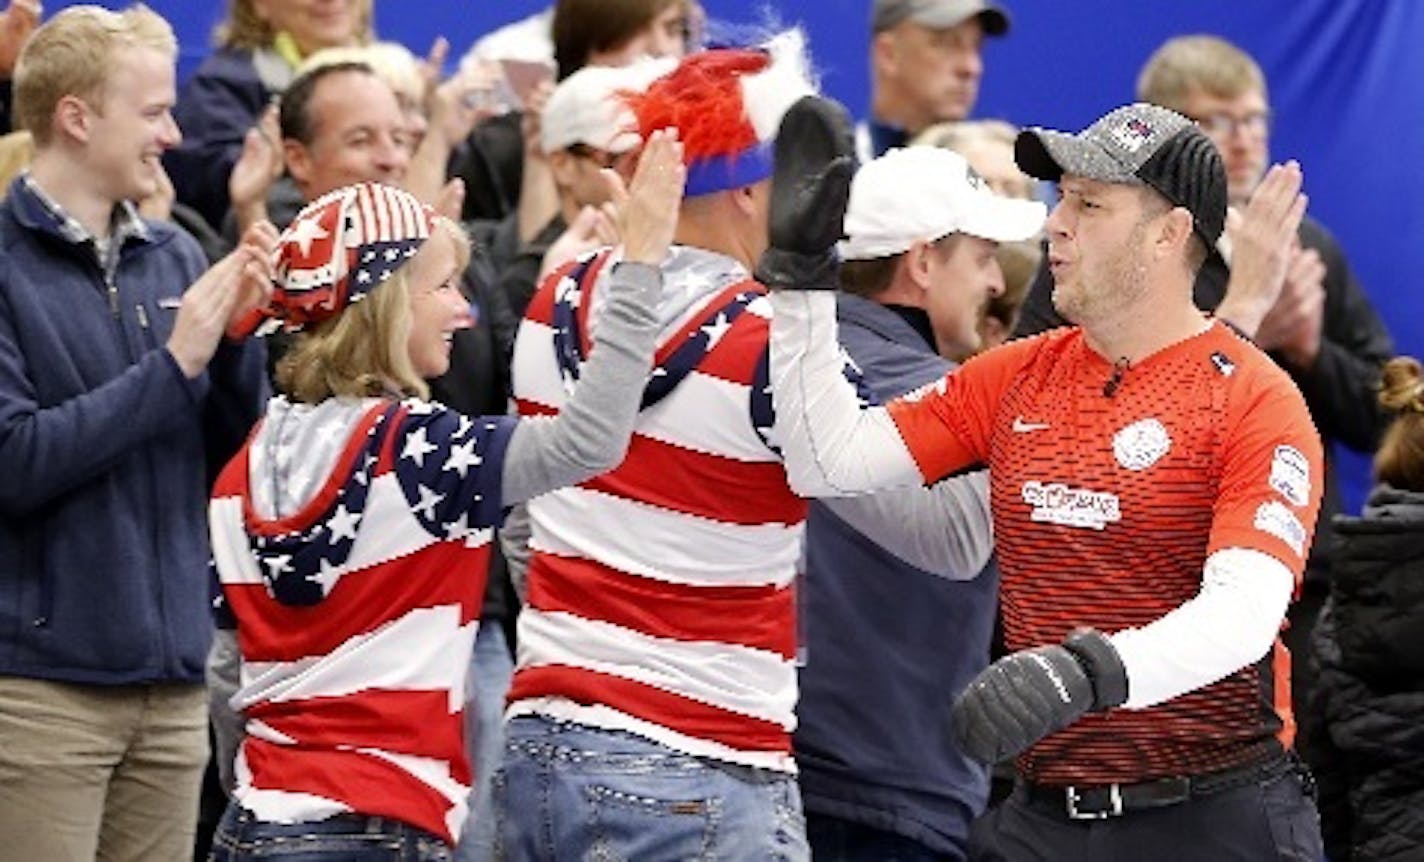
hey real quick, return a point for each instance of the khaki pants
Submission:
(100, 772)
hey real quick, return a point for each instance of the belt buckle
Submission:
(1114, 808)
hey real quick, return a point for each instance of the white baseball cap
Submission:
(924, 193)
(585, 107)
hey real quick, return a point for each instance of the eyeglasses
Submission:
(1223, 125)
(602, 158)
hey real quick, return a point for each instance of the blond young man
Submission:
(117, 390)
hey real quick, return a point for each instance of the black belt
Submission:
(1099, 802)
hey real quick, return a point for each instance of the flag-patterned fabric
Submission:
(661, 594)
(356, 615)
(336, 250)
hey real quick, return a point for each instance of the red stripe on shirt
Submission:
(361, 601)
(760, 617)
(695, 483)
(698, 483)
(385, 790)
(737, 355)
(414, 722)
(650, 703)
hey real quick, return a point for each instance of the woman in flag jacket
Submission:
(351, 533)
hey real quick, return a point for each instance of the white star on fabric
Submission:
(417, 447)
(278, 564)
(363, 276)
(363, 474)
(716, 329)
(392, 254)
(463, 457)
(428, 501)
(307, 230)
(328, 576)
(458, 528)
(343, 524)
(573, 297)
(465, 426)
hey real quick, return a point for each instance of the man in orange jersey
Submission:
(1155, 480)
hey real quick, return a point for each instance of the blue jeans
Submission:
(491, 667)
(568, 791)
(348, 837)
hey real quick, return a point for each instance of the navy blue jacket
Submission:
(888, 646)
(106, 448)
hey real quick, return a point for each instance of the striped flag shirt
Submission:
(356, 615)
(661, 594)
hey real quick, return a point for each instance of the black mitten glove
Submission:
(1023, 697)
(815, 160)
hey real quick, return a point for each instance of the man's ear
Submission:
(1174, 234)
(744, 199)
(884, 52)
(299, 161)
(71, 118)
(915, 262)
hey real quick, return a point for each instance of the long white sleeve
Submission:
(1230, 623)
(944, 530)
(832, 447)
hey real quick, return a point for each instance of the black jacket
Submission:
(1340, 390)
(1370, 642)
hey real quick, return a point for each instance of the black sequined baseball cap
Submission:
(1138, 143)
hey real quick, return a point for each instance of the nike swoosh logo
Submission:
(1021, 427)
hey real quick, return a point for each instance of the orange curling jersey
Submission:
(1110, 487)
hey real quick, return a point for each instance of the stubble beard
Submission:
(1119, 284)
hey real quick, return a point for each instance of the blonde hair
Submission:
(364, 350)
(966, 136)
(1400, 459)
(392, 62)
(72, 54)
(245, 29)
(956, 135)
(1208, 64)
(17, 149)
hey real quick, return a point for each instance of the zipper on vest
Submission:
(113, 288)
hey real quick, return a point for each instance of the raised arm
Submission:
(591, 432)
(831, 446)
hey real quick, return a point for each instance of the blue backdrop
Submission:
(1346, 76)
